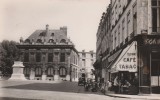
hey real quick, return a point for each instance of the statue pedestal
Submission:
(18, 71)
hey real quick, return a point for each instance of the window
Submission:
(119, 35)
(115, 39)
(83, 62)
(155, 16)
(26, 57)
(50, 71)
(50, 57)
(26, 71)
(52, 34)
(92, 62)
(128, 23)
(62, 57)
(38, 57)
(39, 41)
(42, 34)
(83, 55)
(123, 29)
(38, 71)
(76, 73)
(91, 55)
(62, 71)
(27, 41)
(135, 19)
(51, 41)
(63, 41)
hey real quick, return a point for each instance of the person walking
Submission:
(116, 84)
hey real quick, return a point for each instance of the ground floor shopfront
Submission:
(135, 68)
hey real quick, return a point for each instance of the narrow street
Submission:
(50, 90)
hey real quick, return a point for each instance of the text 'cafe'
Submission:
(140, 59)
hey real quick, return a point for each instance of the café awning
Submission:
(127, 60)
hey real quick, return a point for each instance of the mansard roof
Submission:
(55, 36)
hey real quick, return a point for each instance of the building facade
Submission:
(128, 43)
(49, 55)
(86, 61)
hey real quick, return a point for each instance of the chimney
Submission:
(64, 28)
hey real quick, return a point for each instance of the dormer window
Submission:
(52, 34)
(51, 41)
(63, 41)
(42, 34)
(27, 41)
(39, 41)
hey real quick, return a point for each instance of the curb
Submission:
(129, 97)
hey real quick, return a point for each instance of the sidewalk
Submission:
(139, 96)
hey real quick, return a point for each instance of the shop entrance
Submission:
(155, 72)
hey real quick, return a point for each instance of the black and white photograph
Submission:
(79, 49)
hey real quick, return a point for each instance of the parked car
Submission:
(94, 86)
(81, 81)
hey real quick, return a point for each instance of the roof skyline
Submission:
(80, 16)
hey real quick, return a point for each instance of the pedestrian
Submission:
(116, 84)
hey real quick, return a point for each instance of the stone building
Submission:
(49, 55)
(128, 43)
(86, 61)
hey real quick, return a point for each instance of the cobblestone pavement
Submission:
(48, 90)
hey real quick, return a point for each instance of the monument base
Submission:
(18, 71)
(17, 77)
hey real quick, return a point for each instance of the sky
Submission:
(20, 18)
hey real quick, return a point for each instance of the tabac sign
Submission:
(127, 60)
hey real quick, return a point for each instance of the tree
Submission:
(8, 54)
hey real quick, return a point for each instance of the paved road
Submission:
(40, 90)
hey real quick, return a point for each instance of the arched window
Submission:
(38, 57)
(39, 41)
(51, 41)
(62, 57)
(38, 71)
(63, 41)
(50, 71)
(62, 72)
(27, 71)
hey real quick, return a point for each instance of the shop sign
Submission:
(127, 60)
(153, 41)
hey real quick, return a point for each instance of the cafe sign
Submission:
(127, 60)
